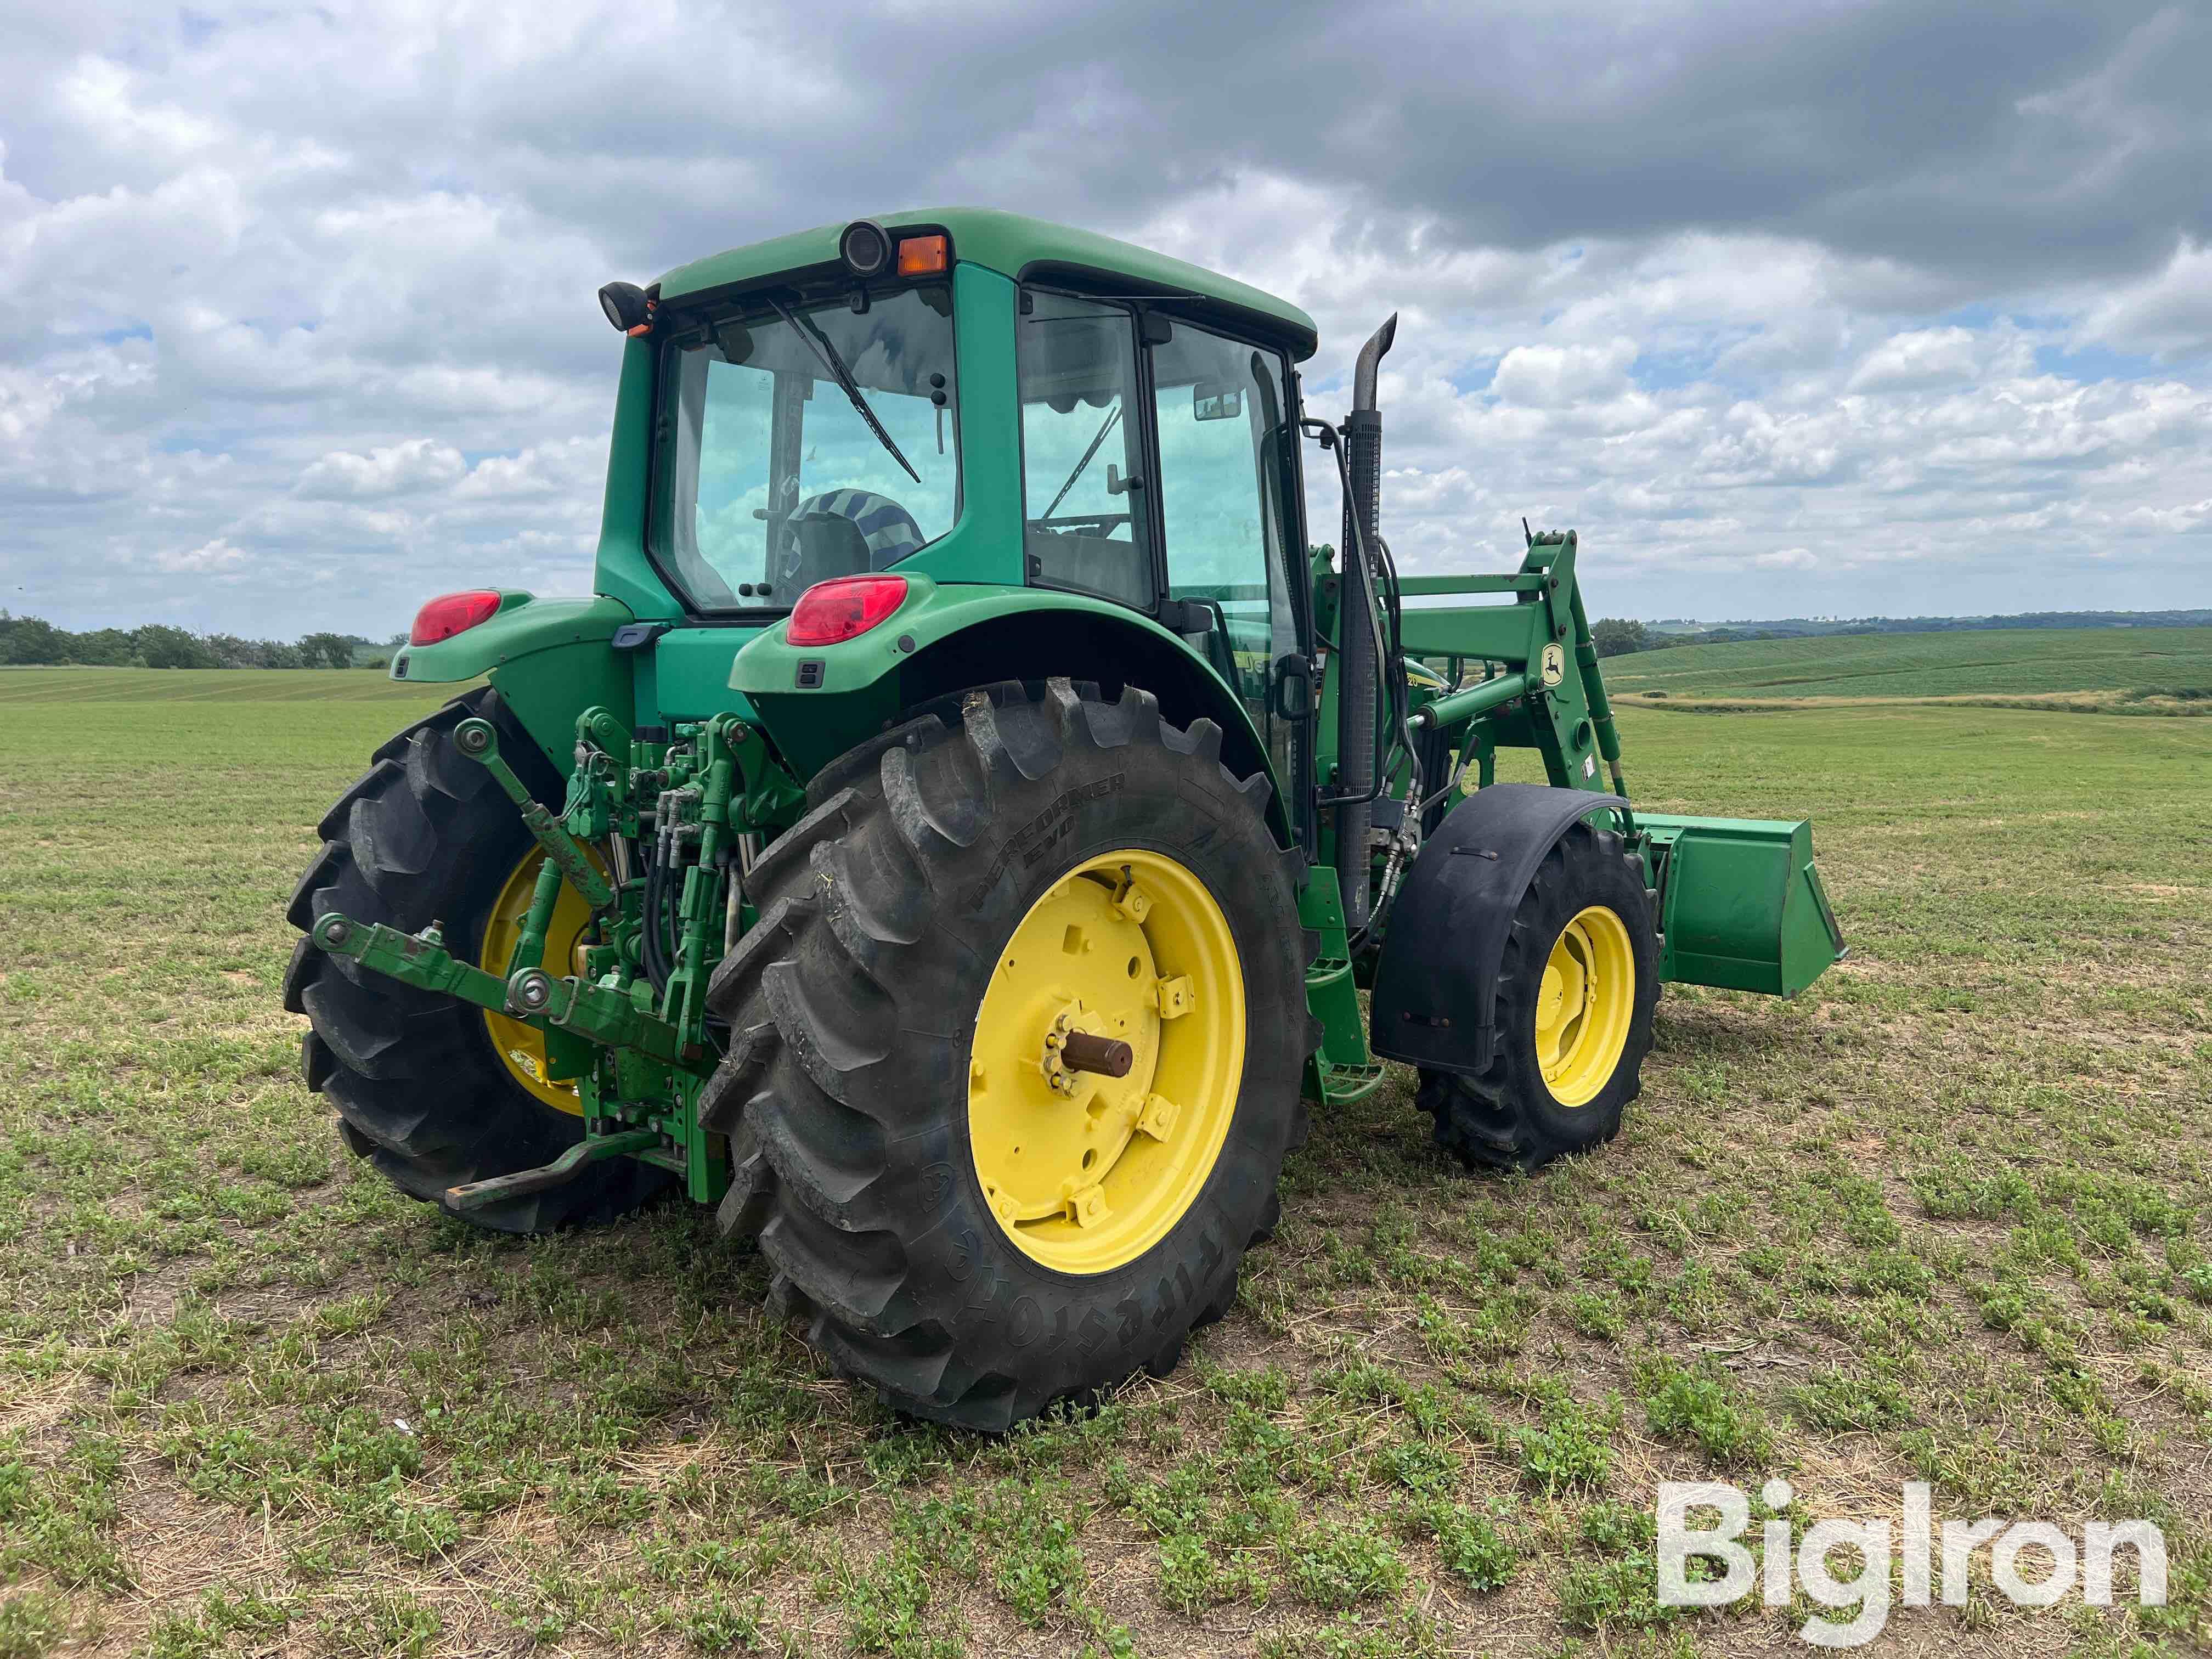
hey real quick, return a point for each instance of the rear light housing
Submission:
(843, 608)
(452, 613)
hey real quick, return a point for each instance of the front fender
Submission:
(817, 701)
(550, 658)
(1436, 984)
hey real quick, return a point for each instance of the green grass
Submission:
(1943, 1218)
(1998, 662)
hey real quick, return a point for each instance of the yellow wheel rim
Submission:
(1085, 1171)
(522, 1048)
(1584, 1005)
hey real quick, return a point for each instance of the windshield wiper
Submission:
(826, 354)
(1103, 430)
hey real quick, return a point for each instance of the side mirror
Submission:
(1216, 402)
(734, 339)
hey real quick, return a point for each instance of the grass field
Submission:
(1998, 662)
(1943, 1218)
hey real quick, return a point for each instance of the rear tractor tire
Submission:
(1575, 989)
(986, 912)
(432, 1090)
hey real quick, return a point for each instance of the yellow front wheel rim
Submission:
(1584, 1005)
(521, 1048)
(1085, 1172)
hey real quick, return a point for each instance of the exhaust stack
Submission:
(1357, 737)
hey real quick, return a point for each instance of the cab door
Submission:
(1230, 523)
(1087, 522)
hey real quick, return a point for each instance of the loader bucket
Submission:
(1741, 905)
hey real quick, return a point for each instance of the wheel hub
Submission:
(1107, 1054)
(521, 1048)
(1584, 1005)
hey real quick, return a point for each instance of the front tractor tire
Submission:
(975, 1213)
(432, 1090)
(1576, 990)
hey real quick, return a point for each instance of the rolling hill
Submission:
(2008, 663)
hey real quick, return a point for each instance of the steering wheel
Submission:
(886, 530)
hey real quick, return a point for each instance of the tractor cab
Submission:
(967, 397)
(858, 411)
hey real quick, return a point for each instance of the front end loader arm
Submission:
(1738, 902)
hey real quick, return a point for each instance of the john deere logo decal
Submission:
(1555, 663)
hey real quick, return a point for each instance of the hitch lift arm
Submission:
(533, 996)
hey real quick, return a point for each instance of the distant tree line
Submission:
(31, 640)
(1616, 636)
(1790, 627)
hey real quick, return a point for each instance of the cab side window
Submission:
(1220, 404)
(1084, 524)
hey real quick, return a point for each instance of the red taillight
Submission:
(452, 613)
(831, 613)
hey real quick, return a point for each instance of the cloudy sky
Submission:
(1807, 309)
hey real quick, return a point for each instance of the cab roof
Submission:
(1024, 249)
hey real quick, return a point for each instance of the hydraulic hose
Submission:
(650, 939)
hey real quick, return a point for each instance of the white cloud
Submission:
(1564, 376)
(1921, 358)
(2169, 315)
(209, 556)
(566, 468)
(2187, 518)
(396, 469)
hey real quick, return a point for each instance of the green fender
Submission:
(549, 659)
(817, 701)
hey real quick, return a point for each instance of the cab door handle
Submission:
(1290, 670)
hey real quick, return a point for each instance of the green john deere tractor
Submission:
(954, 837)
